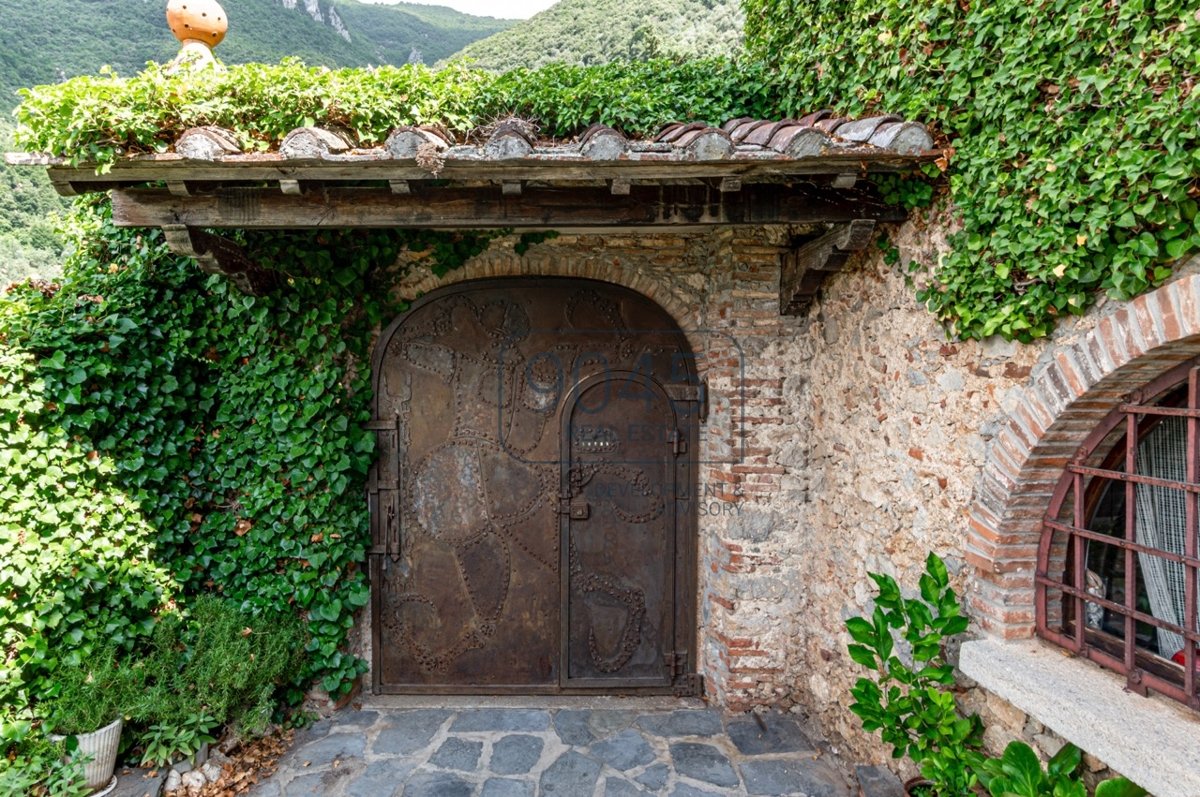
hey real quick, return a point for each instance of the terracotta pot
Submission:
(198, 20)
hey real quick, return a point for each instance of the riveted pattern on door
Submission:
(470, 578)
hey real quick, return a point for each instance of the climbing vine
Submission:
(1074, 128)
(165, 436)
(1071, 127)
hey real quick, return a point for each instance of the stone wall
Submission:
(851, 439)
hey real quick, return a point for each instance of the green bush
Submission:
(90, 695)
(220, 662)
(166, 437)
(33, 766)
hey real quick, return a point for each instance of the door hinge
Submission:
(691, 394)
(678, 442)
(677, 663)
(683, 682)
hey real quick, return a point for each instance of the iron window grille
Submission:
(1117, 567)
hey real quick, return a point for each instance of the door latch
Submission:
(576, 508)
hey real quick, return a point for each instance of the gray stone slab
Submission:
(270, 788)
(139, 782)
(616, 787)
(508, 787)
(405, 732)
(573, 728)
(515, 754)
(687, 790)
(351, 719)
(703, 762)
(876, 781)
(697, 722)
(655, 777)
(625, 751)
(315, 731)
(315, 784)
(571, 774)
(335, 747)
(790, 775)
(437, 784)
(780, 735)
(604, 723)
(380, 778)
(460, 754)
(500, 719)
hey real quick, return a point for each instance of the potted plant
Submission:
(910, 699)
(85, 715)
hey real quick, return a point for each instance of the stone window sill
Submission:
(1152, 741)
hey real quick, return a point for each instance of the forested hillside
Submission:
(53, 39)
(596, 31)
(50, 40)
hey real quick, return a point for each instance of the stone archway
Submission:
(1081, 385)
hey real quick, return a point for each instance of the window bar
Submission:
(1141, 616)
(1131, 436)
(1190, 534)
(1119, 542)
(1078, 547)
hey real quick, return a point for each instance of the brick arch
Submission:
(1077, 388)
(547, 262)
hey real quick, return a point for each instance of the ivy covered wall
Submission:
(166, 436)
(1073, 130)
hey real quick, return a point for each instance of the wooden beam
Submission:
(217, 255)
(805, 267)
(484, 208)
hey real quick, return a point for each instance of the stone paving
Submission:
(591, 749)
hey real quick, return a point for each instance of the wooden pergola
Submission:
(815, 171)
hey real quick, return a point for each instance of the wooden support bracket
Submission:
(805, 266)
(217, 255)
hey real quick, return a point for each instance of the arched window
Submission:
(1118, 561)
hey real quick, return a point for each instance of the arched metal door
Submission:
(502, 408)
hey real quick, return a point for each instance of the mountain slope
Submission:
(596, 31)
(48, 40)
(53, 39)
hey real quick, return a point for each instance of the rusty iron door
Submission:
(531, 514)
(620, 441)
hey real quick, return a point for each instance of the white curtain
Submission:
(1161, 524)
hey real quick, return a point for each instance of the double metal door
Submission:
(532, 512)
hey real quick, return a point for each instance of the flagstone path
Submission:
(596, 748)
